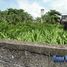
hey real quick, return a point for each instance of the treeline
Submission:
(15, 16)
(51, 16)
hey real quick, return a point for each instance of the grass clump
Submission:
(34, 32)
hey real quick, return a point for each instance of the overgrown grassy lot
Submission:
(34, 32)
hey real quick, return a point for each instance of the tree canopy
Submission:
(15, 15)
(52, 16)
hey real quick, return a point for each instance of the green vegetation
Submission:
(52, 16)
(22, 27)
(34, 32)
(14, 16)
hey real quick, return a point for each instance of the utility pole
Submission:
(42, 13)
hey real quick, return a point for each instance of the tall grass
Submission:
(34, 32)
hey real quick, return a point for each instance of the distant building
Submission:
(63, 20)
(42, 12)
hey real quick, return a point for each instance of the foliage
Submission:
(19, 25)
(51, 16)
(34, 32)
(14, 16)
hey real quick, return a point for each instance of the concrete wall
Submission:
(20, 54)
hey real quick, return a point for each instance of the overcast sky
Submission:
(33, 6)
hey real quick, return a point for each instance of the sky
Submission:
(33, 7)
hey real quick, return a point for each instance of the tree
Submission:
(14, 16)
(38, 19)
(51, 16)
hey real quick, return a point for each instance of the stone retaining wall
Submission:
(20, 54)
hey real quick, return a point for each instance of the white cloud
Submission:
(33, 9)
(60, 5)
(45, 1)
